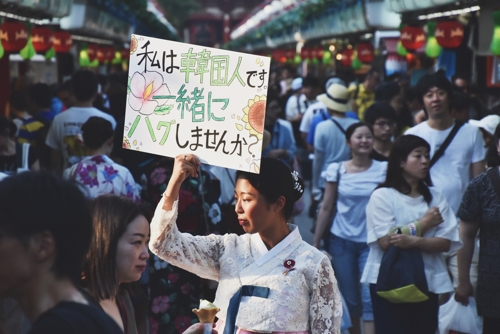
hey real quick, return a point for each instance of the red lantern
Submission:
(306, 53)
(278, 54)
(366, 52)
(347, 57)
(92, 51)
(14, 36)
(41, 38)
(62, 41)
(319, 52)
(109, 53)
(449, 34)
(412, 37)
(101, 54)
(289, 54)
(125, 53)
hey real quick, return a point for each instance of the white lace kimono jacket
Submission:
(306, 299)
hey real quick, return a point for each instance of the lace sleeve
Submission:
(326, 305)
(197, 254)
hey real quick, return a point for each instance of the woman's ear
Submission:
(280, 203)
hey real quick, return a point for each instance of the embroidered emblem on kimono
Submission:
(289, 265)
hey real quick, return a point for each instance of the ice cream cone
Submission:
(206, 315)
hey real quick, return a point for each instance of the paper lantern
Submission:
(84, 58)
(412, 37)
(62, 41)
(14, 36)
(50, 54)
(366, 52)
(297, 59)
(449, 34)
(92, 52)
(2, 51)
(28, 51)
(42, 39)
(125, 54)
(432, 49)
(327, 57)
(109, 53)
(401, 49)
(306, 53)
(118, 58)
(317, 52)
(101, 54)
(356, 63)
(289, 54)
(495, 42)
(347, 57)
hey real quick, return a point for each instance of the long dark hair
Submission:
(111, 214)
(401, 148)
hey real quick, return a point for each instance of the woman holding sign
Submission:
(269, 279)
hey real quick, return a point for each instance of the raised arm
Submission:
(197, 254)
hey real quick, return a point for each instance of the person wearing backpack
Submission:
(407, 203)
(460, 145)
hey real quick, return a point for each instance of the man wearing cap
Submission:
(295, 103)
(329, 139)
(487, 125)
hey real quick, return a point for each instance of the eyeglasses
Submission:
(384, 124)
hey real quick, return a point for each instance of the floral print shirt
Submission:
(100, 175)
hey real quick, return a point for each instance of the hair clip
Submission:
(297, 186)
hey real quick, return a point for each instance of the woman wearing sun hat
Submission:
(329, 138)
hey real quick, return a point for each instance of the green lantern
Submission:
(327, 57)
(94, 63)
(495, 42)
(84, 58)
(432, 49)
(118, 58)
(297, 59)
(401, 49)
(356, 63)
(2, 51)
(28, 51)
(50, 54)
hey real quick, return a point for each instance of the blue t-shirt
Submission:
(323, 116)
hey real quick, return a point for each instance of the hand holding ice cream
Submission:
(206, 314)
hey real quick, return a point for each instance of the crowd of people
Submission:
(119, 241)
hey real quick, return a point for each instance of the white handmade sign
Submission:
(186, 98)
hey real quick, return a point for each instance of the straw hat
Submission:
(336, 98)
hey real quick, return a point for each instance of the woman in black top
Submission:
(480, 211)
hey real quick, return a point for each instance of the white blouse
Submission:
(389, 208)
(306, 299)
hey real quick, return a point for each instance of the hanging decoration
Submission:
(412, 38)
(347, 57)
(297, 59)
(28, 51)
(92, 51)
(62, 41)
(449, 34)
(356, 63)
(432, 49)
(495, 42)
(101, 54)
(125, 54)
(401, 49)
(327, 56)
(2, 51)
(42, 39)
(50, 54)
(109, 53)
(14, 36)
(84, 56)
(118, 58)
(306, 53)
(366, 52)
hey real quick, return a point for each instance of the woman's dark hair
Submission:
(275, 180)
(401, 148)
(386, 91)
(55, 206)
(7, 127)
(350, 130)
(492, 156)
(96, 131)
(111, 215)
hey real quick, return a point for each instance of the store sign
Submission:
(185, 98)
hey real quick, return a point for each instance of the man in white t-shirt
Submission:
(329, 139)
(462, 159)
(64, 136)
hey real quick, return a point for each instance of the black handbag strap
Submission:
(495, 180)
(446, 143)
(338, 125)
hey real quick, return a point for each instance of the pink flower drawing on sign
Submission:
(148, 93)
